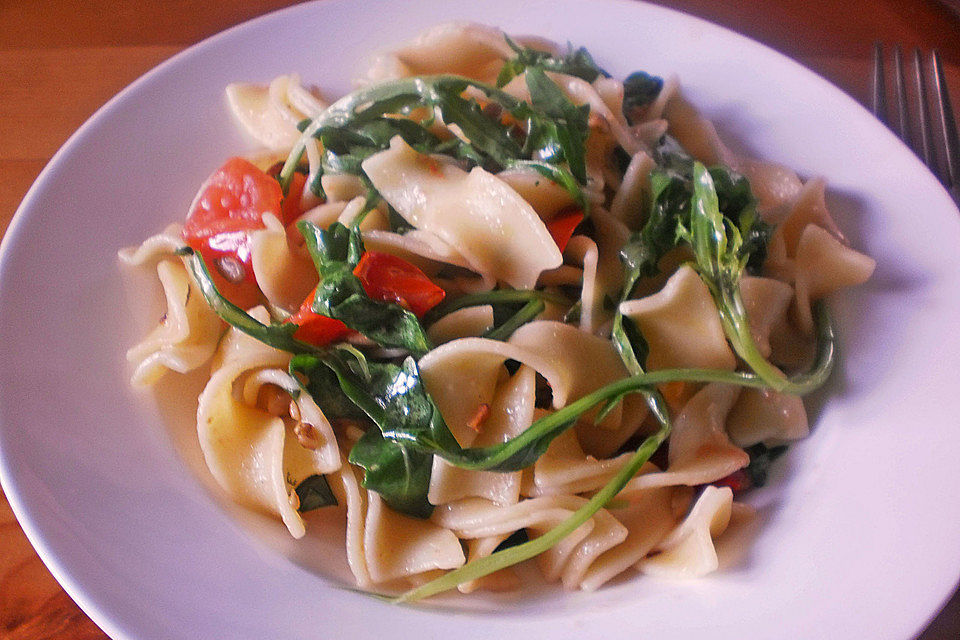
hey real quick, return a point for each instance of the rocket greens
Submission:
(363, 123)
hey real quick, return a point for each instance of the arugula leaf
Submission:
(576, 62)
(671, 203)
(396, 455)
(629, 343)
(524, 449)
(486, 135)
(639, 90)
(670, 198)
(568, 122)
(517, 537)
(672, 193)
(400, 474)
(314, 493)
(362, 123)
(527, 313)
(761, 457)
(340, 294)
(410, 429)
(396, 221)
(720, 254)
(324, 387)
(735, 199)
(561, 176)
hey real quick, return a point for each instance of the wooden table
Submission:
(60, 60)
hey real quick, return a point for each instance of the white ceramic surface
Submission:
(861, 530)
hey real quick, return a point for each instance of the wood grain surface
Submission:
(61, 59)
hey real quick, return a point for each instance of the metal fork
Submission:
(943, 160)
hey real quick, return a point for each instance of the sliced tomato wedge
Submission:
(229, 205)
(314, 328)
(561, 227)
(388, 278)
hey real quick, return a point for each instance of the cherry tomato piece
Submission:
(388, 278)
(562, 226)
(233, 199)
(738, 481)
(314, 328)
(290, 209)
(229, 205)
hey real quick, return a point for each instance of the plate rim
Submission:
(112, 622)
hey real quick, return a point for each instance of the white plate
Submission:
(861, 531)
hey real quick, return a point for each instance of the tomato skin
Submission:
(314, 328)
(561, 227)
(229, 253)
(228, 206)
(234, 198)
(290, 208)
(388, 278)
(738, 481)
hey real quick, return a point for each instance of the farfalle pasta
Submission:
(499, 306)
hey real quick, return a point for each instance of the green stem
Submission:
(514, 555)
(276, 336)
(529, 311)
(395, 94)
(498, 296)
(737, 327)
(550, 426)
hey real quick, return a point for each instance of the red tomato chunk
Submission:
(314, 328)
(229, 205)
(391, 279)
(562, 226)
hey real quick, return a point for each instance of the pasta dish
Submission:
(494, 306)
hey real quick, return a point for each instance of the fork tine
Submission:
(879, 86)
(948, 125)
(900, 87)
(923, 110)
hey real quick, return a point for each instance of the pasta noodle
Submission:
(499, 306)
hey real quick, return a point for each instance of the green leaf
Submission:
(400, 474)
(362, 123)
(670, 208)
(396, 456)
(712, 211)
(411, 429)
(336, 252)
(324, 387)
(524, 449)
(314, 493)
(397, 222)
(639, 90)
(575, 62)
(561, 176)
(517, 537)
(761, 456)
(718, 248)
(486, 135)
(570, 121)
(629, 343)
(495, 297)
